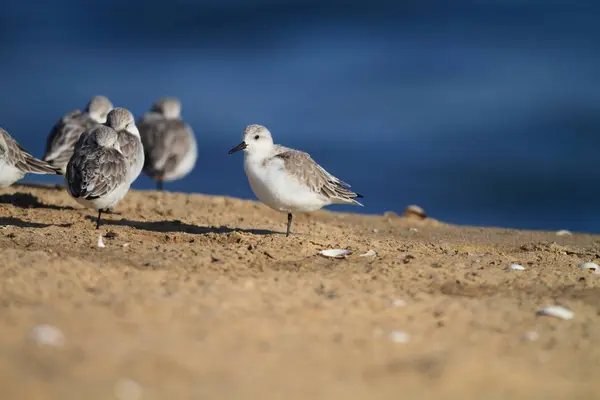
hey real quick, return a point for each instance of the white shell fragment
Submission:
(517, 267)
(375, 230)
(414, 211)
(531, 336)
(589, 265)
(100, 241)
(563, 232)
(370, 253)
(398, 303)
(127, 389)
(399, 337)
(47, 335)
(335, 253)
(556, 311)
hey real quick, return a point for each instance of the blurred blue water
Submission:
(482, 112)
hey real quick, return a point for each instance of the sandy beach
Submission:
(203, 297)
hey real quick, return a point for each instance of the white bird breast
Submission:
(280, 190)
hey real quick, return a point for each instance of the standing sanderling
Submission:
(122, 121)
(16, 162)
(97, 173)
(288, 180)
(169, 143)
(64, 134)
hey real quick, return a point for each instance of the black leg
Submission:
(159, 185)
(289, 224)
(98, 220)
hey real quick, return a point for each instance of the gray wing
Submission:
(94, 172)
(64, 135)
(16, 156)
(166, 142)
(130, 146)
(309, 173)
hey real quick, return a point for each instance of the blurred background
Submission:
(482, 112)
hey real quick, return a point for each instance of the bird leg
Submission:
(98, 220)
(289, 225)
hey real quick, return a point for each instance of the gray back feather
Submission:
(94, 171)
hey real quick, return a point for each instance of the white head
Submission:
(98, 108)
(120, 119)
(168, 107)
(257, 140)
(104, 136)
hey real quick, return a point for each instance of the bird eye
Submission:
(256, 137)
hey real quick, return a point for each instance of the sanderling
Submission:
(98, 171)
(16, 162)
(288, 180)
(64, 134)
(169, 143)
(122, 121)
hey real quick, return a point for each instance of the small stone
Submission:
(47, 335)
(517, 267)
(399, 337)
(127, 389)
(398, 303)
(531, 336)
(414, 211)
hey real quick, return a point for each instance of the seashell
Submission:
(414, 211)
(47, 335)
(399, 337)
(589, 265)
(563, 232)
(127, 389)
(413, 230)
(517, 267)
(335, 253)
(370, 253)
(100, 241)
(398, 303)
(375, 230)
(556, 311)
(531, 336)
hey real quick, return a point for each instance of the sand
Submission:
(203, 297)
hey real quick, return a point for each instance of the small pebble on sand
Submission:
(47, 335)
(414, 211)
(370, 253)
(127, 389)
(399, 337)
(531, 336)
(517, 267)
(398, 303)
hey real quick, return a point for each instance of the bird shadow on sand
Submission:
(27, 200)
(178, 226)
(10, 221)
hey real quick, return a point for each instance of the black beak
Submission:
(239, 147)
